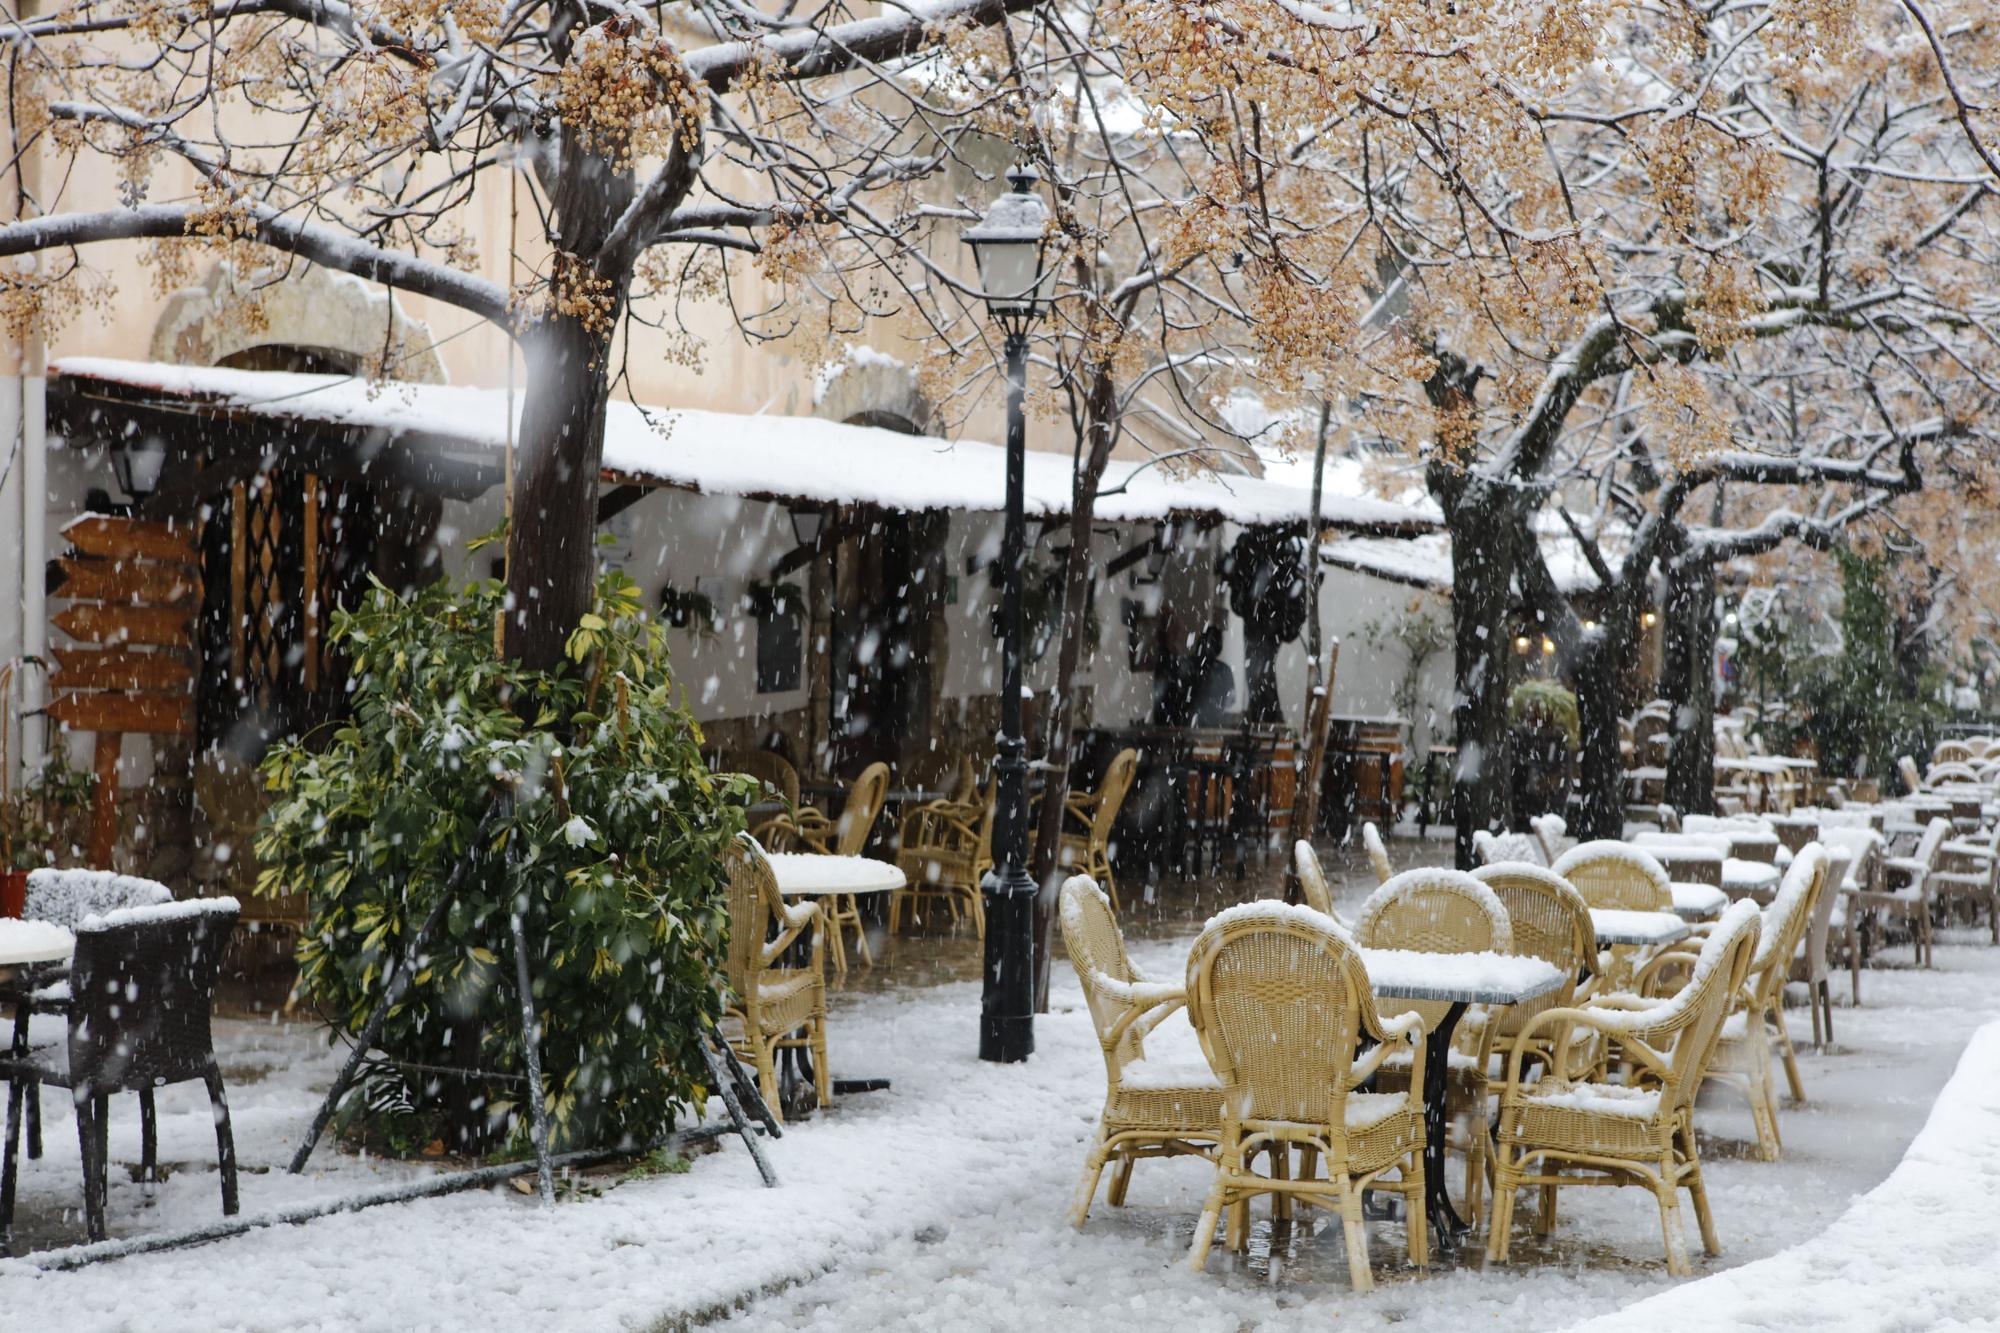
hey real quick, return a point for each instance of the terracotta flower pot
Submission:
(13, 892)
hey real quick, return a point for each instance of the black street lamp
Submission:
(1010, 245)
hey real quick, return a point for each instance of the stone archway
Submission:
(870, 388)
(340, 319)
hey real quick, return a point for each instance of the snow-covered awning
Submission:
(1425, 561)
(792, 460)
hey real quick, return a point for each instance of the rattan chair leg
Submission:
(1238, 1236)
(225, 1138)
(1204, 1228)
(836, 948)
(1086, 1189)
(1703, 1216)
(822, 1069)
(1545, 1215)
(1794, 1084)
(149, 1144)
(1497, 1225)
(1419, 1224)
(850, 914)
(1121, 1180)
(1670, 1223)
(1356, 1229)
(766, 1061)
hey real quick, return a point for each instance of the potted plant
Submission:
(34, 824)
(1545, 727)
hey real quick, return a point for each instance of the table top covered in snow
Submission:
(1615, 926)
(24, 942)
(1698, 902)
(1471, 978)
(812, 875)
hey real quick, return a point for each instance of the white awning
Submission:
(792, 460)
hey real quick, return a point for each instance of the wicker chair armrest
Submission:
(1139, 1020)
(1601, 1019)
(1672, 956)
(1406, 1027)
(1141, 993)
(941, 824)
(794, 919)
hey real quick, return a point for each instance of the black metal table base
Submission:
(1447, 1227)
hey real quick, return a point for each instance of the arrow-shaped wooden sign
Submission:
(166, 714)
(165, 627)
(132, 582)
(97, 534)
(121, 669)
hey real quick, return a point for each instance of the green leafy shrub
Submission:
(608, 838)
(1543, 705)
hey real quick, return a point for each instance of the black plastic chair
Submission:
(66, 897)
(141, 986)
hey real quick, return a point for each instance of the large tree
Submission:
(356, 136)
(1577, 214)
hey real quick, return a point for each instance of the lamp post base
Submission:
(1007, 1005)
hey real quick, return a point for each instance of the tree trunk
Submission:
(1069, 657)
(1601, 668)
(1482, 568)
(1690, 621)
(552, 546)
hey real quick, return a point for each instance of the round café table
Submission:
(814, 875)
(24, 943)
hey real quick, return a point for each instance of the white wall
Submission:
(1367, 675)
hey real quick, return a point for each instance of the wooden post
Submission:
(309, 539)
(104, 800)
(1305, 806)
(239, 580)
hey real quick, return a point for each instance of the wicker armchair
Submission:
(1493, 849)
(1153, 1107)
(1443, 911)
(1088, 818)
(1635, 1133)
(1550, 921)
(141, 984)
(1280, 999)
(1968, 871)
(1948, 752)
(1742, 1056)
(1378, 853)
(775, 1007)
(1312, 881)
(1617, 875)
(1552, 831)
(811, 831)
(769, 768)
(1906, 890)
(945, 849)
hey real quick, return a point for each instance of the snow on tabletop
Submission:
(811, 872)
(1479, 978)
(33, 941)
(1681, 847)
(1618, 925)
(1699, 899)
(791, 458)
(183, 910)
(1915, 1252)
(1740, 874)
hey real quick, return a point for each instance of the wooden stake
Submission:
(104, 801)
(1305, 806)
(239, 580)
(310, 540)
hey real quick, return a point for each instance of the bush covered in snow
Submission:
(607, 834)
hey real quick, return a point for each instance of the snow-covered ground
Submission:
(936, 1205)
